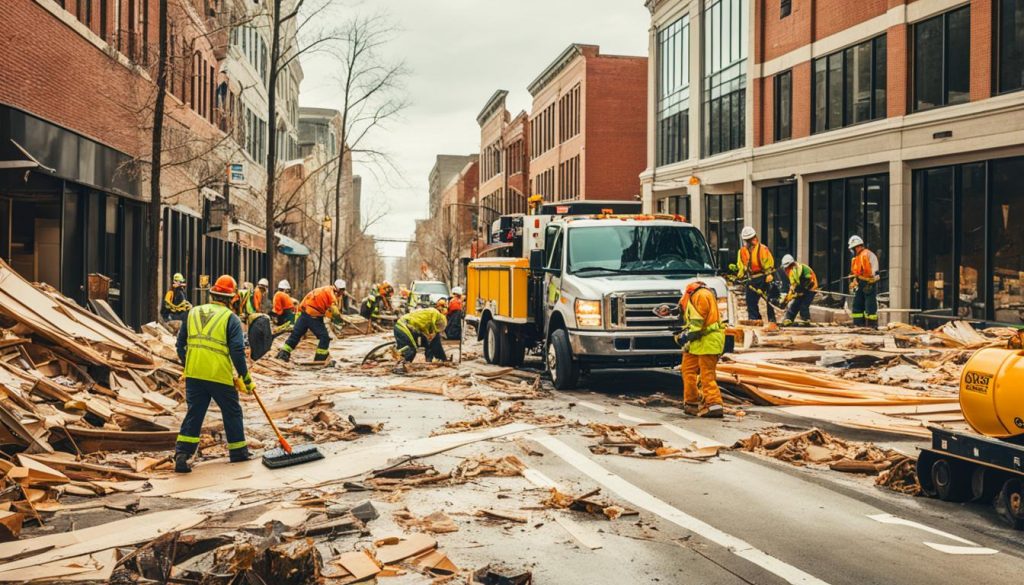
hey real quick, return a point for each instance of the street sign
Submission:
(236, 172)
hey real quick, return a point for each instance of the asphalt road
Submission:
(735, 519)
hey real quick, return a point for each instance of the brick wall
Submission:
(782, 35)
(615, 127)
(981, 49)
(897, 70)
(802, 100)
(832, 16)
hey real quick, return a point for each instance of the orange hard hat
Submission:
(224, 286)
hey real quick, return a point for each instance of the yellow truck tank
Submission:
(499, 285)
(992, 392)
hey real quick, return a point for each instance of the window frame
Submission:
(879, 46)
(914, 108)
(785, 8)
(826, 279)
(777, 135)
(997, 54)
(672, 128)
(777, 192)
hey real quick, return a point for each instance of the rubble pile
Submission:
(588, 503)
(626, 440)
(816, 448)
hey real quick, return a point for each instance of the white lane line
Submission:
(595, 407)
(586, 536)
(699, 440)
(974, 547)
(642, 499)
(950, 549)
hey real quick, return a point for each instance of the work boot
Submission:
(691, 408)
(787, 323)
(714, 411)
(399, 369)
(284, 355)
(181, 463)
(239, 455)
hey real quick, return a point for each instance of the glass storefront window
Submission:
(725, 81)
(1006, 216)
(941, 60)
(723, 223)
(674, 92)
(778, 219)
(1010, 48)
(839, 209)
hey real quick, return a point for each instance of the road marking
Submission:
(652, 504)
(972, 548)
(961, 550)
(592, 406)
(586, 536)
(699, 440)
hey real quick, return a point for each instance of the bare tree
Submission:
(157, 152)
(371, 95)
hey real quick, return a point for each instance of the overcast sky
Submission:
(458, 53)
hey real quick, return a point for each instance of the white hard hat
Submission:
(284, 285)
(787, 260)
(339, 284)
(747, 233)
(854, 242)
(457, 290)
(263, 282)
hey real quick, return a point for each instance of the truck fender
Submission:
(481, 329)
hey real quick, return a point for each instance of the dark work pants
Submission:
(285, 317)
(405, 344)
(753, 298)
(801, 306)
(316, 325)
(865, 305)
(198, 394)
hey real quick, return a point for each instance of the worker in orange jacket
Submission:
(260, 295)
(704, 343)
(863, 284)
(318, 304)
(755, 262)
(284, 306)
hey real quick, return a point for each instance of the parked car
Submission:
(424, 293)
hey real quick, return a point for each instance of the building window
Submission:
(778, 219)
(674, 92)
(942, 60)
(491, 161)
(675, 205)
(569, 179)
(1010, 48)
(569, 114)
(723, 221)
(967, 244)
(840, 209)
(783, 107)
(542, 128)
(785, 8)
(544, 184)
(725, 81)
(849, 86)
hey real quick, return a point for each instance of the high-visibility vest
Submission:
(801, 273)
(426, 322)
(206, 355)
(862, 265)
(282, 302)
(761, 261)
(700, 310)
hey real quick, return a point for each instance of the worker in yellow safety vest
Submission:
(704, 343)
(424, 325)
(803, 285)
(755, 262)
(863, 284)
(212, 347)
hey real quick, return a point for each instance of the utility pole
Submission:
(156, 158)
(275, 58)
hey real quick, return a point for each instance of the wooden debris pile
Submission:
(815, 447)
(74, 381)
(392, 556)
(626, 440)
(411, 475)
(498, 416)
(588, 503)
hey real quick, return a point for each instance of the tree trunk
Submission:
(156, 162)
(275, 58)
(336, 236)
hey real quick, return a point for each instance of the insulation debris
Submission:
(815, 447)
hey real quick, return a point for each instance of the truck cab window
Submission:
(555, 259)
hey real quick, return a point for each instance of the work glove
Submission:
(694, 336)
(247, 384)
(678, 337)
(733, 269)
(768, 279)
(853, 284)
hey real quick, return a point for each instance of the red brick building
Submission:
(587, 137)
(814, 120)
(504, 161)
(459, 206)
(76, 92)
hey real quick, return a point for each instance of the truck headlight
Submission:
(588, 313)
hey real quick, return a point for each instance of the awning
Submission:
(290, 247)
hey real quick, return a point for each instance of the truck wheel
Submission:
(1009, 504)
(952, 480)
(517, 350)
(565, 372)
(985, 484)
(492, 342)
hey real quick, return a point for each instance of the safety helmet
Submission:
(340, 284)
(178, 278)
(284, 285)
(386, 287)
(441, 304)
(747, 233)
(854, 242)
(225, 286)
(263, 282)
(458, 291)
(788, 260)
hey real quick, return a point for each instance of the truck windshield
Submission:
(637, 249)
(430, 288)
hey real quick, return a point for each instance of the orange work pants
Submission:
(704, 365)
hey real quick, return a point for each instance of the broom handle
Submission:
(284, 444)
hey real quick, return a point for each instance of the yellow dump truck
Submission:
(589, 291)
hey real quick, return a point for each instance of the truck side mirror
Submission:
(536, 261)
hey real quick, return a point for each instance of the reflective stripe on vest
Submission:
(207, 356)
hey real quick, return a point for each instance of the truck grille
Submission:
(636, 310)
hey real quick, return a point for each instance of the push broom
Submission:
(284, 456)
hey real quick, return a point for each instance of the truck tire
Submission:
(565, 372)
(952, 480)
(492, 342)
(517, 350)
